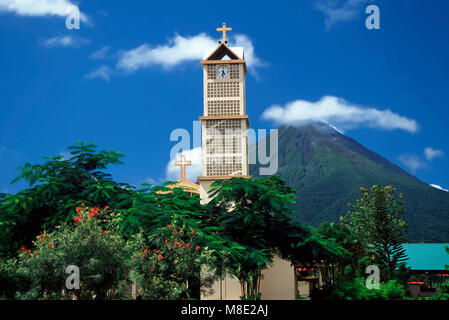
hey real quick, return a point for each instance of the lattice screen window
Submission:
(224, 145)
(223, 89)
(219, 127)
(211, 71)
(234, 71)
(224, 166)
(223, 108)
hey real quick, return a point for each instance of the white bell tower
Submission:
(224, 123)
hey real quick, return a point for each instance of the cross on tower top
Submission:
(183, 164)
(224, 29)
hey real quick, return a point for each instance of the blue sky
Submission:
(131, 75)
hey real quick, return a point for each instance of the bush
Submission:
(168, 264)
(356, 290)
(98, 253)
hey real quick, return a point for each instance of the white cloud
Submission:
(180, 49)
(30, 8)
(338, 112)
(431, 153)
(438, 187)
(66, 41)
(411, 161)
(100, 54)
(192, 172)
(340, 10)
(103, 72)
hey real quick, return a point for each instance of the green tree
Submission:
(256, 212)
(151, 210)
(344, 266)
(56, 188)
(376, 217)
(99, 253)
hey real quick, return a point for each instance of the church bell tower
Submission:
(224, 123)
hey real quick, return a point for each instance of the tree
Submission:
(256, 212)
(167, 266)
(376, 218)
(98, 253)
(346, 265)
(179, 275)
(57, 187)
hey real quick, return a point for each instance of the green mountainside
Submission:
(327, 170)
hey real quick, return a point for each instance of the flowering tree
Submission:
(167, 265)
(97, 252)
(56, 187)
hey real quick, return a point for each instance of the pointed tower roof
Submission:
(233, 53)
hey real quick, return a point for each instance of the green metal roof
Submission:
(427, 256)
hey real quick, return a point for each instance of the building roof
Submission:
(427, 256)
(238, 51)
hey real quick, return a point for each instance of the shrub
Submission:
(98, 253)
(168, 264)
(356, 290)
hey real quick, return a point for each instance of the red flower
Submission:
(105, 231)
(82, 204)
(132, 257)
(177, 232)
(159, 257)
(77, 219)
(42, 235)
(22, 248)
(158, 251)
(170, 226)
(51, 244)
(180, 245)
(176, 243)
(29, 250)
(197, 248)
(151, 270)
(106, 207)
(145, 251)
(193, 232)
(166, 241)
(78, 209)
(38, 253)
(93, 211)
(188, 245)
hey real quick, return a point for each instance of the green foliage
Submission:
(56, 188)
(171, 265)
(98, 253)
(256, 212)
(357, 290)
(247, 223)
(375, 217)
(346, 266)
(10, 280)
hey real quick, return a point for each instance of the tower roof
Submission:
(218, 53)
